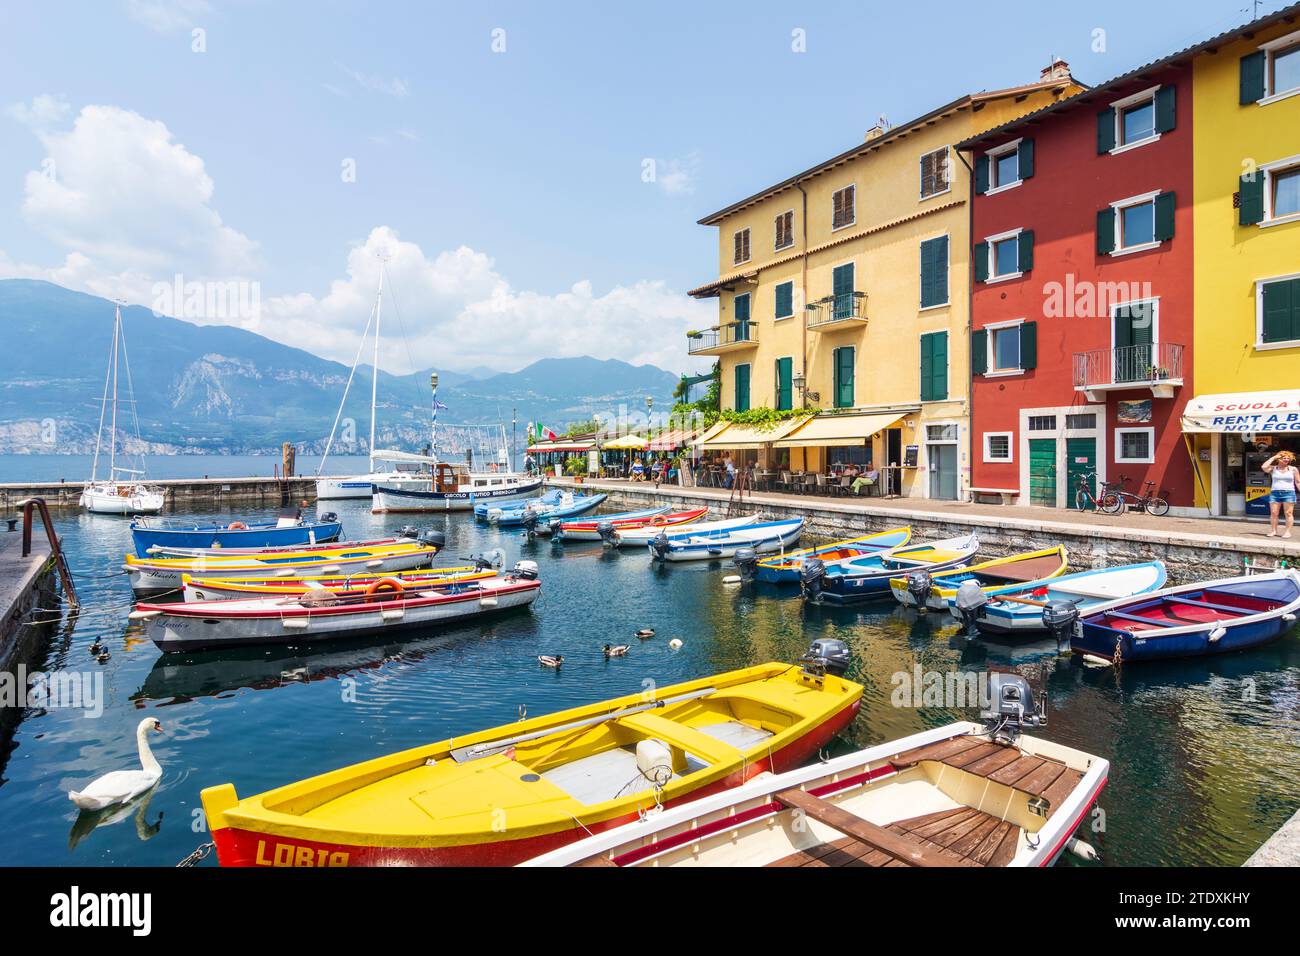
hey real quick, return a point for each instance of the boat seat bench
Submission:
(701, 745)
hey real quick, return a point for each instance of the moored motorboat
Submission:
(288, 530)
(207, 588)
(640, 537)
(169, 551)
(785, 568)
(763, 538)
(931, 590)
(569, 506)
(605, 527)
(163, 574)
(502, 796)
(546, 498)
(454, 488)
(867, 577)
(383, 607)
(962, 795)
(1209, 617)
(1018, 608)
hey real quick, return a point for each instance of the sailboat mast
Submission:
(433, 429)
(374, 365)
(103, 412)
(112, 437)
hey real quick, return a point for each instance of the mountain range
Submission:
(219, 389)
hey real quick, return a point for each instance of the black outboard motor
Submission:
(328, 517)
(812, 578)
(659, 545)
(831, 656)
(746, 562)
(1011, 707)
(490, 560)
(529, 523)
(433, 539)
(606, 531)
(408, 531)
(524, 571)
(918, 585)
(1060, 618)
(970, 601)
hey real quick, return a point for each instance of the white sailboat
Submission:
(359, 486)
(124, 491)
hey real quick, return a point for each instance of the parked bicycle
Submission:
(1114, 500)
(1085, 499)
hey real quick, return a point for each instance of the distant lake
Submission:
(36, 468)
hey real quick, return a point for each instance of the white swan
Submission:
(123, 785)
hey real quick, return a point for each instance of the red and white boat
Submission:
(605, 529)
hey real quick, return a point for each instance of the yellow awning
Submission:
(826, 430)
(1244, 412)
(736, 436)
(627, 442)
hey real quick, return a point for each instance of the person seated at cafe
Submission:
(638, 471)
(864, 480)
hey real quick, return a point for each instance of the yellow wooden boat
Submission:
(784, 568)
(1026, 568)
(501, 796)
(214, 588)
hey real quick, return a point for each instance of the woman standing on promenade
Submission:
(1285, 478)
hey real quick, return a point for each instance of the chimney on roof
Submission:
(875, 132)
(1058, 69)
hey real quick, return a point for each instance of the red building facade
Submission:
(1081, 311)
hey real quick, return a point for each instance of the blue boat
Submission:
(762, 538)
(1212, 617)
(569, 506)
(289, 530)
(784, 569)
(552, 497)
(867, 578)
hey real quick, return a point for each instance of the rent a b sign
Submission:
(1248, 412)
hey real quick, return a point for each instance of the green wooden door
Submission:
(741, 305)
(844, 377)
(742, 388)
(1080, 459)
(842, 289)
(784, 384)
(1133, 337)
(1042, 472)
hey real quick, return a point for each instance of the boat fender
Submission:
(1095, 660)
(143, 615)
(1217, 634)
(1084, 851)
(655, 761)
(675, 644)
(384, 584)
(733, 579)
(1288, 617)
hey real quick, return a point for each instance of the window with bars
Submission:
(1081, 420)
(843, 208)
(785, 230)
(934, 173)
(997, 446)
(741, 243)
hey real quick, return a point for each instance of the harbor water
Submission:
(1205, 754)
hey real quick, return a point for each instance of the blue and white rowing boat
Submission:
(764, 538)
(591, 528)
(785, 569)
(867, 577)
(1018, 608)
(569, 506)
(1211, 617)
(551, 497)
(288, 530)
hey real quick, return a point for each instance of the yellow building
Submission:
(1246, 220)
(845, 290)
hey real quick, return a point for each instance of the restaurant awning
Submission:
(626, 443)
(671, 440)
(1248, 412)
(837, 430)
(561, 446)
(736, 436)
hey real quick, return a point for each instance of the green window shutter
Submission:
(842, 279)
(1251, 208)
(1029, 345)
(844, 377)
(981, 174)
(934, 271)
(1025, 254)
(1105, 231)
(784, 384)
(1026, 158)
(934, 366)
(1281, 308)
(1164, 217)
(1252, 78)
(1165, 112)
(1105, 131)
(979, 352)
(981, 256)
(784, 300)
(742, 388)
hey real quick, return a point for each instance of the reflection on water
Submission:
(1205, 754)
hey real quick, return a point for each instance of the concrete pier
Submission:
(1282, 848)
(181, 494)
(27, 585)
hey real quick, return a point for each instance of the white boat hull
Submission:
(147, 577)
(362, 486)
(107, 500)
(640, 537)
(390, 500)
(690, 548)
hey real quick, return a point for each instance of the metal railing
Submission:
(846, 307)
(56, 551)
(730, 333)
(1148, 364)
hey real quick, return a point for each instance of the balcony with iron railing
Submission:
(1157, 366)
(728, 337)
(838, 311)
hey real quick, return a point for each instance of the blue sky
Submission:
(506, 187)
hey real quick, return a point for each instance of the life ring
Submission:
(389, 583)
(236, 526)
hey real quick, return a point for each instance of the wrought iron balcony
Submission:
(726, 338)
(1158, 367)
(838, 311)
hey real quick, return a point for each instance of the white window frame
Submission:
(852, 222)
(1119, 206)
(793, 308)
(991, 261)
(920, 175)
(993, 156)
(1269, 49)
(948, 265)
(749, 242)
(1119, 106)
(775, 234)
(991, 350)
(1011, 444)
(1147, 430)
(1269, 170)
(1260, 344)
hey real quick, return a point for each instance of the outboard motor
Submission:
(919, 584)
(829, 655)
(812, 578)
(659, 546)
(489, 560)
(525, 571)
(328, 517)
(1011, 707)
(970, 601)
(606, 531)
(433, 539)
(746, 562)
(529, 523)
(409, 531)
(1060, 618)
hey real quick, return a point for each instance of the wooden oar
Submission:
(1017, 600)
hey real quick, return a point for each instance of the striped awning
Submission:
(671, 440)
(838, 430)
(561, 446)
(737, 436)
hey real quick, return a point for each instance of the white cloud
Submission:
(676, 177)
(164, 16)
(44, 110)
(390, 86)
